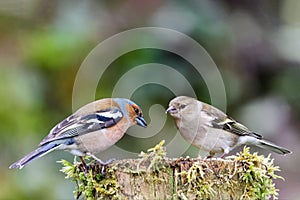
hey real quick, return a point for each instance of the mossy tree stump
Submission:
(154, 176)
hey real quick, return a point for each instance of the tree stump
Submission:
(154, 176)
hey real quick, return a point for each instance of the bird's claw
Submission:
(103, 164)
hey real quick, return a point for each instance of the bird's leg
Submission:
(223, 155)
(86, 167)
(225, 152)
(101, 162)
(82, 161)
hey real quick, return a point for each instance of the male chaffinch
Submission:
(93, 128)
(208, 128)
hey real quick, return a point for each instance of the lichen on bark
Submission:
(154, 176)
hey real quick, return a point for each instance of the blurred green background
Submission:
(255, 45)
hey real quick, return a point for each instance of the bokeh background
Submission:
(255, 45)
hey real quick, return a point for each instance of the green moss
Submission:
(245, 175)
(91, 184)
(194, 182)
(155, 158)
(242, 176)
(152, 164)
(258, 173)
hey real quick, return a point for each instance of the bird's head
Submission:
(180, 104)
(134, 113)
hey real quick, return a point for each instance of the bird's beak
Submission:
(141, 121)
(171, 109)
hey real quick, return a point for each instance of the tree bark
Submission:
(154, 176)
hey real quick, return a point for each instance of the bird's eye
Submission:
(136, 110)
(182, 106)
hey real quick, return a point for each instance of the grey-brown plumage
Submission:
(210, 129)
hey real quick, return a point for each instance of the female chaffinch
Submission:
(208, 128)
(93, 128)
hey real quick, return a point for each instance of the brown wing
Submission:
(222, 121)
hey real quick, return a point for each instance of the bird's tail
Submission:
(39, 152)
(273, 147)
